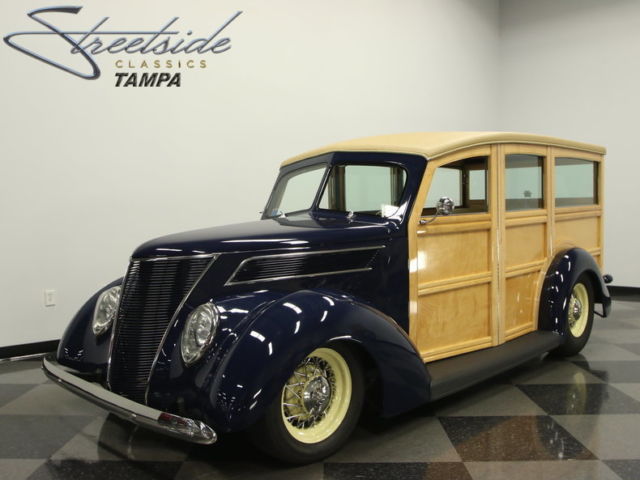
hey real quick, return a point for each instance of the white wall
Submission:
(88, 171)
(571, 68)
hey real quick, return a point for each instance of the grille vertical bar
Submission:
(152, 292)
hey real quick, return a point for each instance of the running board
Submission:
(457, 373)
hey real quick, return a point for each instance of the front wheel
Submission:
(317, 408)
(579, 317)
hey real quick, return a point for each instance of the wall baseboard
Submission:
(617, 293)
(631, 294)
(28, 349)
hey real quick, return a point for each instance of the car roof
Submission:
(435, 144)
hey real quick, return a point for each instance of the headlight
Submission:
(105, 311)
(198, 332)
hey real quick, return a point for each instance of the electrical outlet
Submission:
(49, 298)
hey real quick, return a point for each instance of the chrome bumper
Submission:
(180, 427)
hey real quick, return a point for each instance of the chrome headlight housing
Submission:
(105, 311)
(198, 332)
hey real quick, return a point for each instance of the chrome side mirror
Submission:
(445, 206)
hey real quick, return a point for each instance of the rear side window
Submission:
(576, 182)
(523, 182)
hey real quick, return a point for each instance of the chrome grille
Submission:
(152, 292)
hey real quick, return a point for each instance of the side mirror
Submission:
(445, 206)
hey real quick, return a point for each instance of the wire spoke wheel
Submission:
(315, 399)
(315, 409)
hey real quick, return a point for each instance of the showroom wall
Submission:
(571, 68)
(89, 170)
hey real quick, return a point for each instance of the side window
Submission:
(464, 181)
(371, 189)
(576, 182)
(524, 182)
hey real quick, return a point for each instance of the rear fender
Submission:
(251, 375)
(563, 272)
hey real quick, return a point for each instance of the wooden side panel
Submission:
(447, 255)
(526, 254)
(521, 293)
(525, 244)
(454, 272)
(458, 321)
(583, 231)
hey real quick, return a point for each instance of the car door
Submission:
(453, 269)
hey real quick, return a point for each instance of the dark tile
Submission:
(10, 392)
(249, 469)
(37, 436)
(614, 372)
(400, 471)
(66, 469)
(484, 439)
(580, 399)
(625, 469)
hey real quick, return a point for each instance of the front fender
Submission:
(79, 348)
(252, 373)
(563, 272)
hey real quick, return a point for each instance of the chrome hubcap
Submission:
(316, 395)
(576, 308)
(578, 312)
(308, 393)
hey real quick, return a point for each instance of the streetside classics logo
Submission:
(96, 40)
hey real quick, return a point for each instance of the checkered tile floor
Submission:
(566, 419)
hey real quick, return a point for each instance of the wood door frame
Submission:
(525, 217)
(468, 221)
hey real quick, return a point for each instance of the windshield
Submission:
(296, 191)
(365, 189)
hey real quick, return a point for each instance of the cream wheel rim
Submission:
(578, 310)
(316, 398)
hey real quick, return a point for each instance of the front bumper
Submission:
(180, 427)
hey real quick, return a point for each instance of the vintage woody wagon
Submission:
(395, 269)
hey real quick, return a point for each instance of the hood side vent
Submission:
(309, 264)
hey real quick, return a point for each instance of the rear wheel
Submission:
(579, 317)
(317, 408)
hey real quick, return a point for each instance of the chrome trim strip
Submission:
(214, 257)
(180, 257)
(230, 281)
(180, 427)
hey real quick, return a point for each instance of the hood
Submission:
(301, 231)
